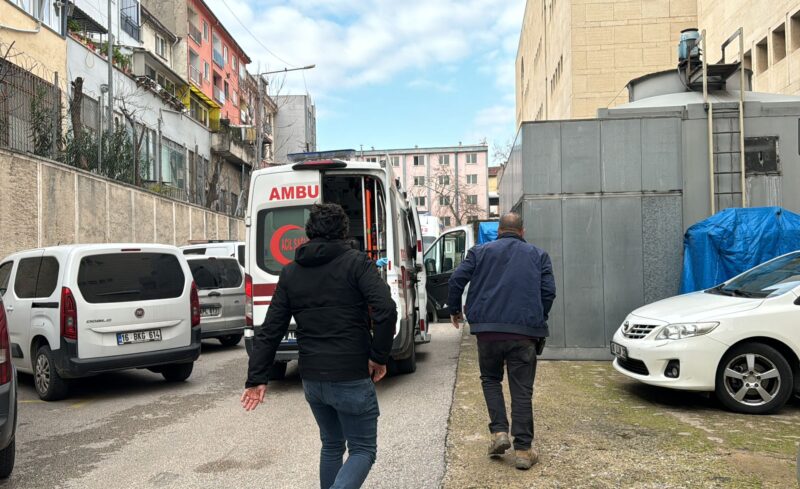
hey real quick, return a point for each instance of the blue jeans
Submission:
(345, 412)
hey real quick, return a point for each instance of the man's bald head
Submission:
(511, 223)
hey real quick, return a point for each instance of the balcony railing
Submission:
(195, 75)
(219, 95)
(194, 32)
(219, 58)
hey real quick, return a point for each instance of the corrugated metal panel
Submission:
(661, 154)
(541, 161)
(623, 267)
(543, 228)
(662, 234)
(583, 273)
(621, 153)
(580, 157)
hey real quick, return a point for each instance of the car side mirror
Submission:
(796, 301)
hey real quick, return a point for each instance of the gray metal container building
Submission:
(610, 198)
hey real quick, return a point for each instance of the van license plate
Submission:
(290, 337)
(139, 337)
(209, 311)
(619, 351)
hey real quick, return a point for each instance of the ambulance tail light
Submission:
(419, 246)
(248, 300)
(422, 325)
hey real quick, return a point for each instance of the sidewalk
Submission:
(597, 429)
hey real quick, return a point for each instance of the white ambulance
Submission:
(383, 224)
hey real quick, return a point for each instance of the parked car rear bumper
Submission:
(216, 333)
(8, 411)
(69, 365)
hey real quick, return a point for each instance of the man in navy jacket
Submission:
(511, 291)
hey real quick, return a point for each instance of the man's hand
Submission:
(376, 371)
(253, 396)
(455, 319)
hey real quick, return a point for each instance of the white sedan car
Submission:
(740, 339)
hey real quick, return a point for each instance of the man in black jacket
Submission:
(334, 293)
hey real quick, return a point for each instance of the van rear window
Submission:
(216, 273)
(130, 277)
(279, 232)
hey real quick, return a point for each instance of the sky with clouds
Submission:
(389, 73)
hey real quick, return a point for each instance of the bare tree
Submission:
(501, 152)
(459, 201)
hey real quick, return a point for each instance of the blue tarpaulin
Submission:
(733, 241)
(487, 231)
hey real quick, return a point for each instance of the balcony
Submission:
(195, 34)
(219, 59)
(219, 95)
(196, 76)
(229, 143)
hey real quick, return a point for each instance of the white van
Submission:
(216, 247)
(79, 310)
(383, 223)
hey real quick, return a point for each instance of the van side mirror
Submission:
(796, 301)
(430, 266)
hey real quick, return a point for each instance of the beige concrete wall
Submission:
(43, 203)
(43, 53)
(771, 38)
(604, 44)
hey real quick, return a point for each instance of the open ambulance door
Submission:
(420, 277)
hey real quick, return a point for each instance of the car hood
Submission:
(697, 306)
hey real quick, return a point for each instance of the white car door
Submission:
(18, 301)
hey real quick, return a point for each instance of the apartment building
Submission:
(576, 56)
(42, 42)
(296, 126)
(449, 182)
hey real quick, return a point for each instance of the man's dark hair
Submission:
(327, 221)
(512, 222)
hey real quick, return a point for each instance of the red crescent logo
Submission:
(274, 243)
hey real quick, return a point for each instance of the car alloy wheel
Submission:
(752, 379)
(42, 373)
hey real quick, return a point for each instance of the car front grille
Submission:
(633, 365)
(638, 331)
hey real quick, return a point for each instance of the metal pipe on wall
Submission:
(741, 118)
(710, 118)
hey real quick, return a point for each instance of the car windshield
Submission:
(770, 279)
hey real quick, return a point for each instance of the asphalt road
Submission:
(133, 430)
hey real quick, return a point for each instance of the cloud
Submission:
(363, 42)
(426, 84)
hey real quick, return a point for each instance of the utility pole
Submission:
(110, 75)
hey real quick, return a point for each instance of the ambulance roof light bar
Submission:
(339, 154)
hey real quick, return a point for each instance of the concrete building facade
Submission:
(448, 182)
(295, 126)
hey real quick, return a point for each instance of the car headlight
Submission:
(685, 330)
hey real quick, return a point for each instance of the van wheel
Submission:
(7, 456)
(177, 372)
(278, 371)
(407, 365)
(49, 385)
(230, 340)
(754, 378)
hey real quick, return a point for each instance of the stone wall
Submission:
(44, 203)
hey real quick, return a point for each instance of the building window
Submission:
(472, 158)
(198, 110)
(149, 72)
(419, 201)
(129, 17)
(217, 49)
(472, 199)
(779, 43)
(419, 181)
(444, 160)
(371, 159)
(446, 221)
(225, 53)
(472, 179)
(206, 70)
(444, 200)
(161, 47)
(472, 219)
(762, 61)
(205, 31)
(395, 160)
(194, 68)
(234, 63)
(794, 30)
(444, 179)
(226, 90)
(419, 160)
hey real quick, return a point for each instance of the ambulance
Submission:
(384, 223)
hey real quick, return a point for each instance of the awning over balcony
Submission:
(87, 23)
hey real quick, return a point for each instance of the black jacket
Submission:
(327, 289)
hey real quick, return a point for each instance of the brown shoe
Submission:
(500, 443)
(526, 458)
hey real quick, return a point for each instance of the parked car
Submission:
(220, 284)
(8, 401)
(739, 339)
(79, 310)
(214, 247)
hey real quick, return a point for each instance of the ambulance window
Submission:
(279, 232)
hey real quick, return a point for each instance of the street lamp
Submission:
(259, 110)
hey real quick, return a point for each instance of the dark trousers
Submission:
(519, 358)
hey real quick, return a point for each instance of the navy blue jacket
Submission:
(511, 287)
